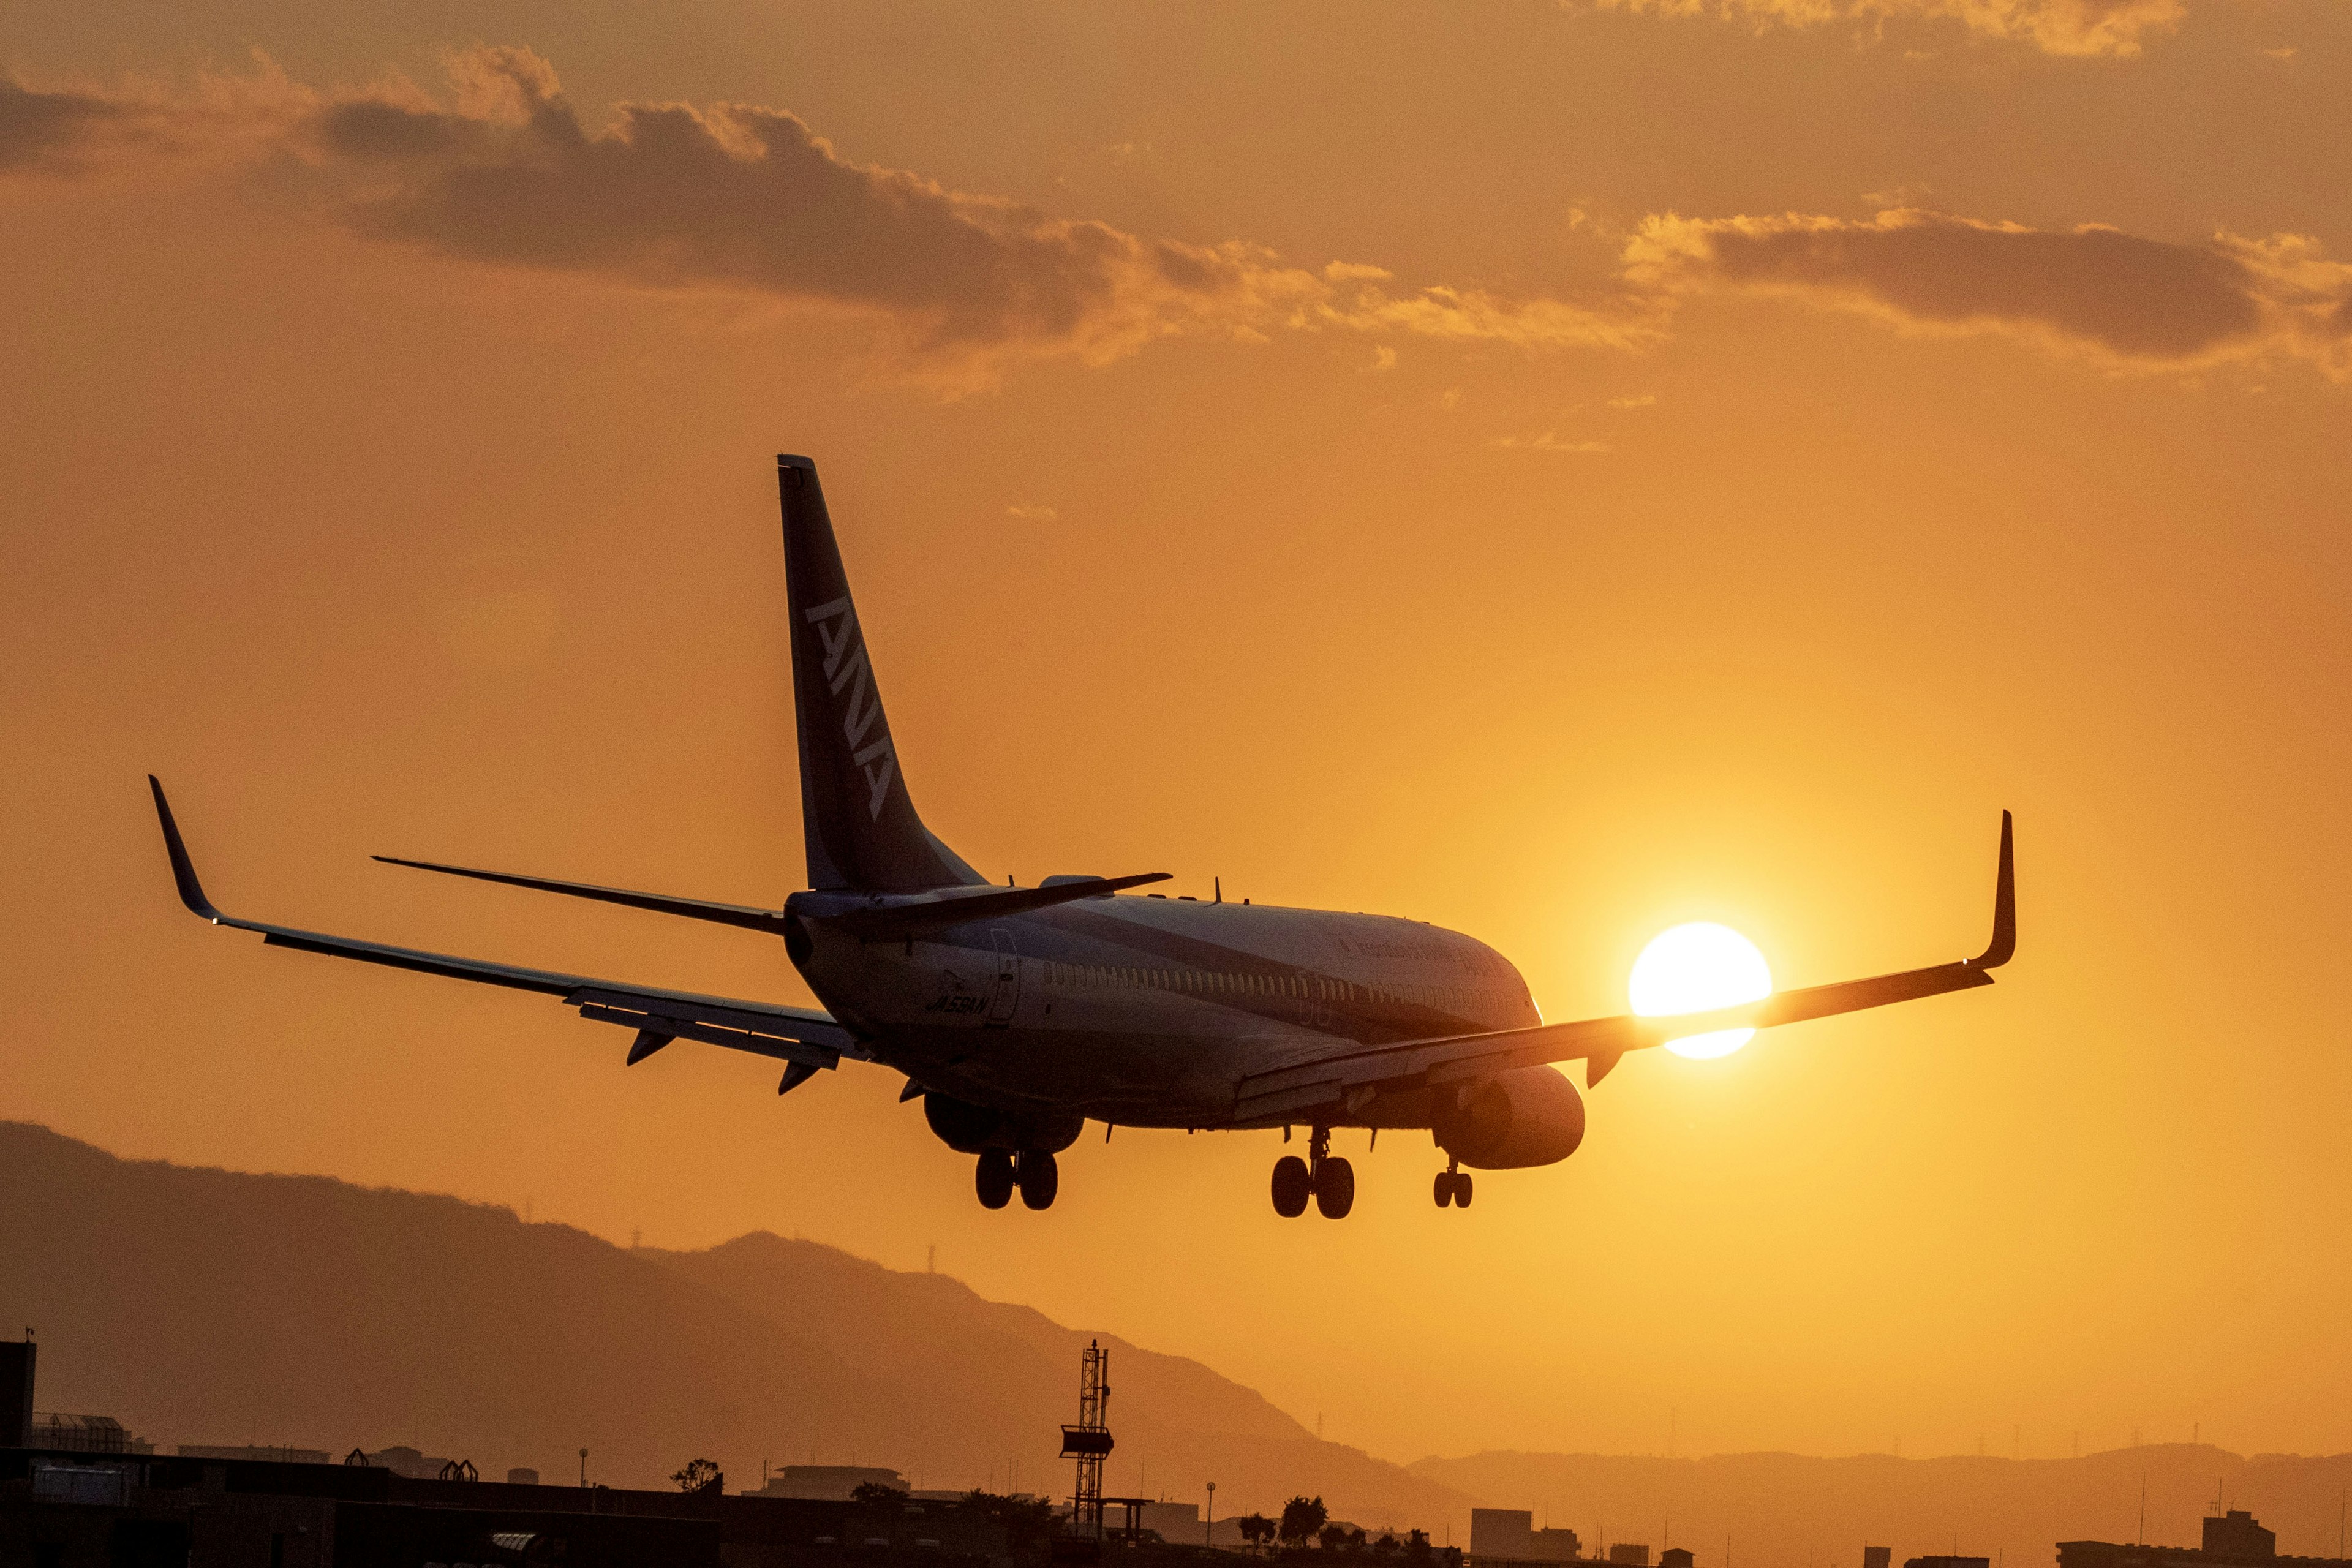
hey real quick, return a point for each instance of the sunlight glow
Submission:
(1696, 968)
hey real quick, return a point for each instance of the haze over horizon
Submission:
(1566, 469)
(214, 1307)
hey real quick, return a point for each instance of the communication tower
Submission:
(1089, 1442)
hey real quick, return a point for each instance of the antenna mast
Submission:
(1089, 1442)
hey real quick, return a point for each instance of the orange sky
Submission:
(1555, 471)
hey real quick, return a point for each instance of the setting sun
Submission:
(1696, 968)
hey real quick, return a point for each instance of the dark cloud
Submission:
(748, 200)
(751, 199)
(37, 128)
(2114, 293)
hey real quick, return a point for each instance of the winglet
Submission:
(2004, 906)
(183, 870)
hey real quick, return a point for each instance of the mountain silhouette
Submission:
(206, 1306)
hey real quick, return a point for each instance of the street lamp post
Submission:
(1208, 1525)
(584, 1466)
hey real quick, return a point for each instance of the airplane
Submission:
(1018, 1014)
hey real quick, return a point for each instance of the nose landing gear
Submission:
(1324, 1176)
(1452, 1186)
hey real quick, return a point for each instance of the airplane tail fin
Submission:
(859, 820)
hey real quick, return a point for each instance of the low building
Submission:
(1177, 1521)
(1629, 1554)
(17, 1358)
(277, 1454)
(1507, 1535)
(403, 1461)
(70, 1506)
(1947, 1561)
(2235, 1539)
(828, 1483)
(1676, 1557)
(61, 1432)
(2237, 1534)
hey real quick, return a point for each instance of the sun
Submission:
(1696, 968)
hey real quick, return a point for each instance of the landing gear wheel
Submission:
(994, 1179)
(1443, 1189)
(1039, 1177)
(1292, 1187)
(1335, 1188)
(1461, 1189)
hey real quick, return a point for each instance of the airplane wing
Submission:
(1348, 1080)
(805, 1038)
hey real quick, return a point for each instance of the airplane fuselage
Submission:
(1145, 1010)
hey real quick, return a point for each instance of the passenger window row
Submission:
(1220, 982)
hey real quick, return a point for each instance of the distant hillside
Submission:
(203, 1306)
(1782, 1510)
(206, 1306)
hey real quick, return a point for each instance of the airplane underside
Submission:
(1014, 1100)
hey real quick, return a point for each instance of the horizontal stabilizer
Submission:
(692, 908)
(890, 922)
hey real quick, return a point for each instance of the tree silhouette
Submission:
(1416, 1545)
(1301, 1518)
(698, 1474)
(1257, 1529)
(1024, 1518)
(1332, 1537)
(878, 1494)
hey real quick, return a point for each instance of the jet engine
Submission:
(1528, 1116)
(970, 1129)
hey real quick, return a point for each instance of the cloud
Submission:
(2112, 27)
(84, 132)
(1550, 441)
(751, 201)
(744, 202)
(45, 127)
(2117, 297)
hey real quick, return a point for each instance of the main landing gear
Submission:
(1324, 1176)
(1032, 1171)
(1452, 1186)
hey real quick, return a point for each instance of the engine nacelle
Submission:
(1528, 1116)
(970, 1129)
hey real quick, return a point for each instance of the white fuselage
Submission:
(1148, 1010)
